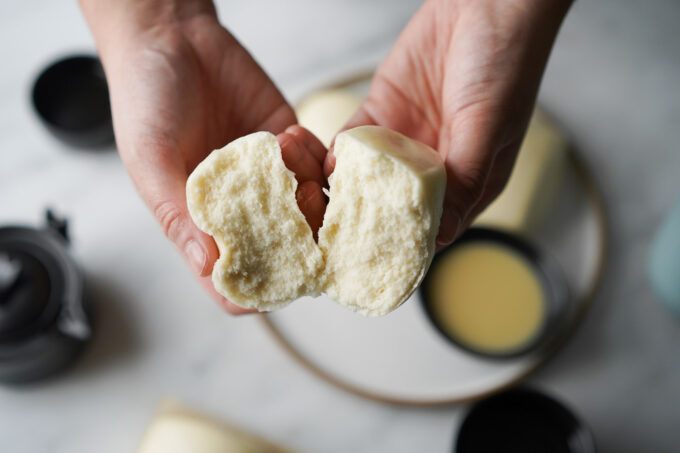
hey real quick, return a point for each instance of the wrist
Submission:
(551, 10)
(116, 25)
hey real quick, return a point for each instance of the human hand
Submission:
(182, 86)
(463, 78)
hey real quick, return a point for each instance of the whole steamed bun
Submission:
(378, 235)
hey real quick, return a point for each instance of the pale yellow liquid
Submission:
(487, 297)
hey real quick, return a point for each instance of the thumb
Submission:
(162, 184)
(164, 191)
(198, 249)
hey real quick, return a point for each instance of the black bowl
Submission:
(523, 420)
(552, 279)
(71, 98)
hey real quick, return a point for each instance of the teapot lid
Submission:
(34, 273)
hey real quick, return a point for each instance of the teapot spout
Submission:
(73, 322)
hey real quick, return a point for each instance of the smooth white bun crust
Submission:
(378, 236)
(325, 112)
(244, 196)
(178, 430)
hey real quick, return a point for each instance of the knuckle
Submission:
(494, 188)
(170, 218)
(296, 130)
(500, 173)
(471, 183)
(464, 191)
(230, 308)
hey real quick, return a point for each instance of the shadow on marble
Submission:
(115, 339)
(622, 442)
(588, 343)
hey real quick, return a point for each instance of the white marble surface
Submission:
(612, 82)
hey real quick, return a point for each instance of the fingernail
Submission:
(196, 256)
(284, 138)
(293, 129)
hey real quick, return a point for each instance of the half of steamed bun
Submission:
(244, 196)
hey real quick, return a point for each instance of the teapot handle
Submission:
(56, 224)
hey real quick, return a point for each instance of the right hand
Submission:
(463, 78)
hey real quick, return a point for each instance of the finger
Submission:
(329, 162)
(488, 102)
(312, 203)
(498, 178)
(299, 159)
(309, 141)
(390, 106)
(360, 118)
(282, 117)
(469, 142)
(225, 304)
(465, 182)
(479, 146)
(162, 183)
(449, 225)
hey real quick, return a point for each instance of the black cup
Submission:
(521, 421)
(71, 98)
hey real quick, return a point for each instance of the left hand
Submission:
(182, 86)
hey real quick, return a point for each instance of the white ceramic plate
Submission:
(401, 359)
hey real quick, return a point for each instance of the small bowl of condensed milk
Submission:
(493, 294)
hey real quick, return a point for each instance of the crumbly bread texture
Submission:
(378, 236)
(244, 196)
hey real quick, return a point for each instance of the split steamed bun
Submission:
(378, 236)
